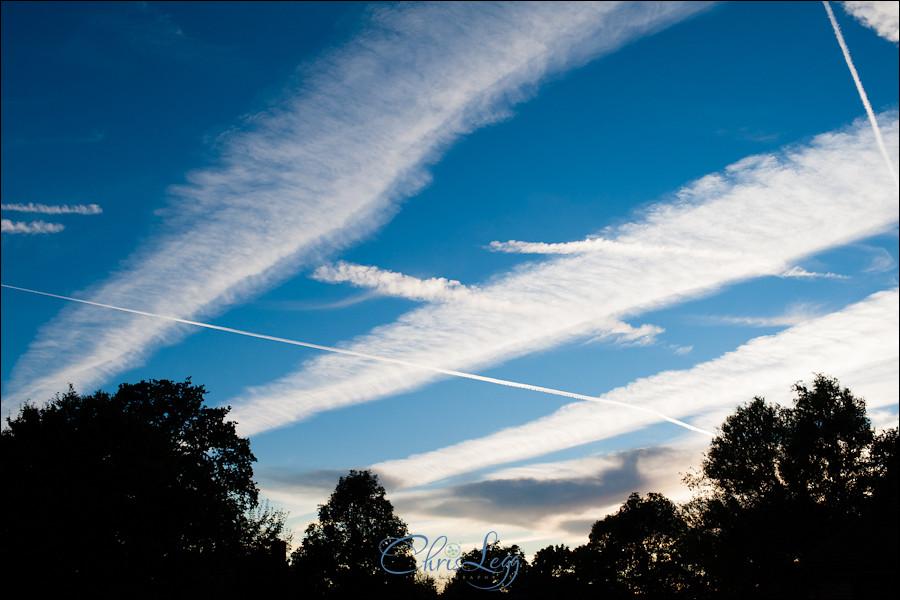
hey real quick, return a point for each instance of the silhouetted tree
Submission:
(882, 476)
(491, 568)
(553, 562)
(743, 461)
(779, 483)
(341, 554)
(265, 545)
(552, 571)
(638, 550)
(145, 491)
(828, 436)
(742, 526)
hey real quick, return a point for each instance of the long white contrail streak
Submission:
(404, 363)
(862, 92)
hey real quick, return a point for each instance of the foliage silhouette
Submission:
(559, 570)
(638, 550)
(790, 502)
(147, 490)
(777, 483)
(340, 556)
(148, 493)
(487, 570)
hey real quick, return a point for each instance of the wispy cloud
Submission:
(801, 273)
(881, 260)
(33, 227)
(599, 244)
(62, 209)
(626, 335)
(326, 166)
(389, 283)
(761, 215)
(883, 17)
(441, 290)
(859, 345)
(794, 315)
(305, 305)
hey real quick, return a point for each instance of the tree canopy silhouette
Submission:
(792, 502)
(639, 549)
(146, 490)
(491, 568)
(552, 571)
(779, 482)
(341, 554)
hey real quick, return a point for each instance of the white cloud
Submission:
(8, 226)
(325, 167)
(389, 283)
(801, 273)
(858, 345)
(883, 17)
(624, 334)
(63, 209)
(441, 290)
(759, 216)
(599, 244)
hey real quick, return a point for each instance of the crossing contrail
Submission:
(262, 336)
(862, 92)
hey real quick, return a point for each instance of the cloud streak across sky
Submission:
(326, 166)
(63, 209)
(389, 283)
(860, 342)
(597, 244)
(752, 220)
(33, 227)
(801, 273)
(441, 290)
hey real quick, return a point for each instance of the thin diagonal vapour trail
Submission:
(862, 92)
(403, 363)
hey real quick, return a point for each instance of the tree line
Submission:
(148, 493)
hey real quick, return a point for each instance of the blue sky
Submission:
(667, 206)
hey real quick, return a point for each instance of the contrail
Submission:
(862, 92)
(514, 384)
